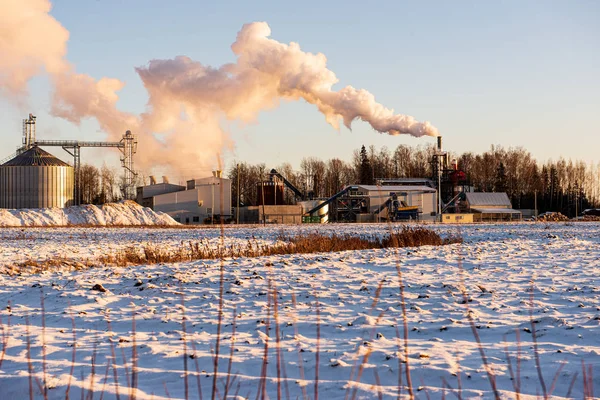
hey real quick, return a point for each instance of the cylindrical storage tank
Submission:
(324, 212)
(36, 179)
(272, 192)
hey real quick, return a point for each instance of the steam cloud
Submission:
(186, 99)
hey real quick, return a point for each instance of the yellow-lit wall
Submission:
(457, 218)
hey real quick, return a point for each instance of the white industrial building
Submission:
(200, 201)
(146, 194)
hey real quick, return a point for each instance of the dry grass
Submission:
(299, 244)
(32, 266)
(189, 251)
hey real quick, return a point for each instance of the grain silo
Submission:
(36, 179)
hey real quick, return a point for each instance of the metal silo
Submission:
(36, 179)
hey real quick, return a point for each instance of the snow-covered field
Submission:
(335, 293)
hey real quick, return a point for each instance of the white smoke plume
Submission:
(265, 72)
(31, 41)
(187, 100)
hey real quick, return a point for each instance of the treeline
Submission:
(562, 185)
(100, 185)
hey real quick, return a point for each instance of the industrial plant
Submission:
(204, 200)
(34, 178)
(446, 193)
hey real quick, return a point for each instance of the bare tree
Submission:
(108, 185)
(313, 170)
(89, 181)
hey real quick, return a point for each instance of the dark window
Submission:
(187, 220)
(196, 219)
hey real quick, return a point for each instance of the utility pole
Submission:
(576, 199)
(262, 192)
(439, 173)
(439, 190)
(237, 211)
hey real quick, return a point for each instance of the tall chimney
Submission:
(439, 143)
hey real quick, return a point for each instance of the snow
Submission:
(125, 213)
(498, 265)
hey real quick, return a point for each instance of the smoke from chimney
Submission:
(265, 72)
(31, 41)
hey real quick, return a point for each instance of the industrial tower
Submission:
(127, 145)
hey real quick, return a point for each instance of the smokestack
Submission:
(439, 143)
(219, 173)
(214, 174)
(152, 180)
(165, 179)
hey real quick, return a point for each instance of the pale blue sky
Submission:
(514, 73)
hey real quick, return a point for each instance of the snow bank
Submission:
(111, 214)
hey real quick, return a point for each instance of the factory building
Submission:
(145, 194)
(422, 197)
(375, 203)
(491, 207)
(36, 179)
(200, 201)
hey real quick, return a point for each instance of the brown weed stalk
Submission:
(367, 353)
(511, 372)
(198, 382)
(44, 351)
(228, 381)
(487, 367)
(90, 393)
(114, 359)
(262, 387)
(536, 352)
(298, 347)
(185, 351)
(134, 356)
(73, 353)
(317, 355)
(29, 363)
(219, 327)
(5, 335)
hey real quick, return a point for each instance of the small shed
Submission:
(491, 207)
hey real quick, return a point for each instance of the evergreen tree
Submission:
(500, 181)
(366, 170)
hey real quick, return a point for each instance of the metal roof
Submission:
(396, 188)
(497, 200)
(35, 157)
(404, 181)
(496, 210)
